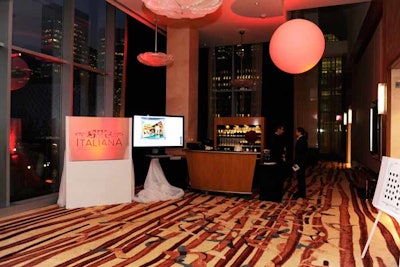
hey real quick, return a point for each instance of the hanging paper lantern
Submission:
(297, 46)
(155, 59)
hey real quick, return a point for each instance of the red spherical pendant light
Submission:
(297, 46)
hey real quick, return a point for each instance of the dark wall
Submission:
(203, 95)
(145, 86)
(277, 98)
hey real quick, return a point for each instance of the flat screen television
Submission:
(158, 132)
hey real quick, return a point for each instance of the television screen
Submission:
(158, 131)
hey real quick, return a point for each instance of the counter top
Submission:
(225, 152)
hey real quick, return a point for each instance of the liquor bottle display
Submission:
(239, 134)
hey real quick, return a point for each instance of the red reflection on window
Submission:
(15, 134)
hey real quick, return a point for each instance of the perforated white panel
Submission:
(387, 192)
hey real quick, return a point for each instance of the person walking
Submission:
(300, 161)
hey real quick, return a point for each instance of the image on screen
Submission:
(158, 131)
(153, 128)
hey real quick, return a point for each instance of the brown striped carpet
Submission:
(329, 228)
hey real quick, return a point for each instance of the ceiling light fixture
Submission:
(242, 81)
(180, 9)
(297, 46)
(155, 59)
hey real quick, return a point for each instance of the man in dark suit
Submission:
(300, 162)
(272, 184)
(277, 146)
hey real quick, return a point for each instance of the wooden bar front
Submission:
(230, 172)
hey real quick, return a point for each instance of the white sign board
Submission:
(99, 170)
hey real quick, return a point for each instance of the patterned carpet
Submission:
(329, 228)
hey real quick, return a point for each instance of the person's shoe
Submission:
(298, 195)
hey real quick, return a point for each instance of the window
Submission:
(37, 26)
(226, 99)
(39, 35)
(89, 57)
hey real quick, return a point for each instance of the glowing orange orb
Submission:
(297, 46)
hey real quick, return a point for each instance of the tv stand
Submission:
(156, 181)
(155, 156)
(172, 167)
(157, 151)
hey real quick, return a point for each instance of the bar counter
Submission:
(221, 171)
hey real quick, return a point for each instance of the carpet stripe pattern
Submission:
(328, 228)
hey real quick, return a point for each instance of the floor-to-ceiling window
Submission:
(119, 97)
(89, 57)
(235, 86)
(35, 98)
(331, 107)
(49, 40)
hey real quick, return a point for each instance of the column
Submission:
(182, 79)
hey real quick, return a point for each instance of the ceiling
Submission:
(258, 18)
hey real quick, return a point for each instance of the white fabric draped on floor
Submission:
(156, 186)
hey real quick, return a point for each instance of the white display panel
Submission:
(92, 182)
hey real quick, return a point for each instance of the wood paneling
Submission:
(221, 171)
